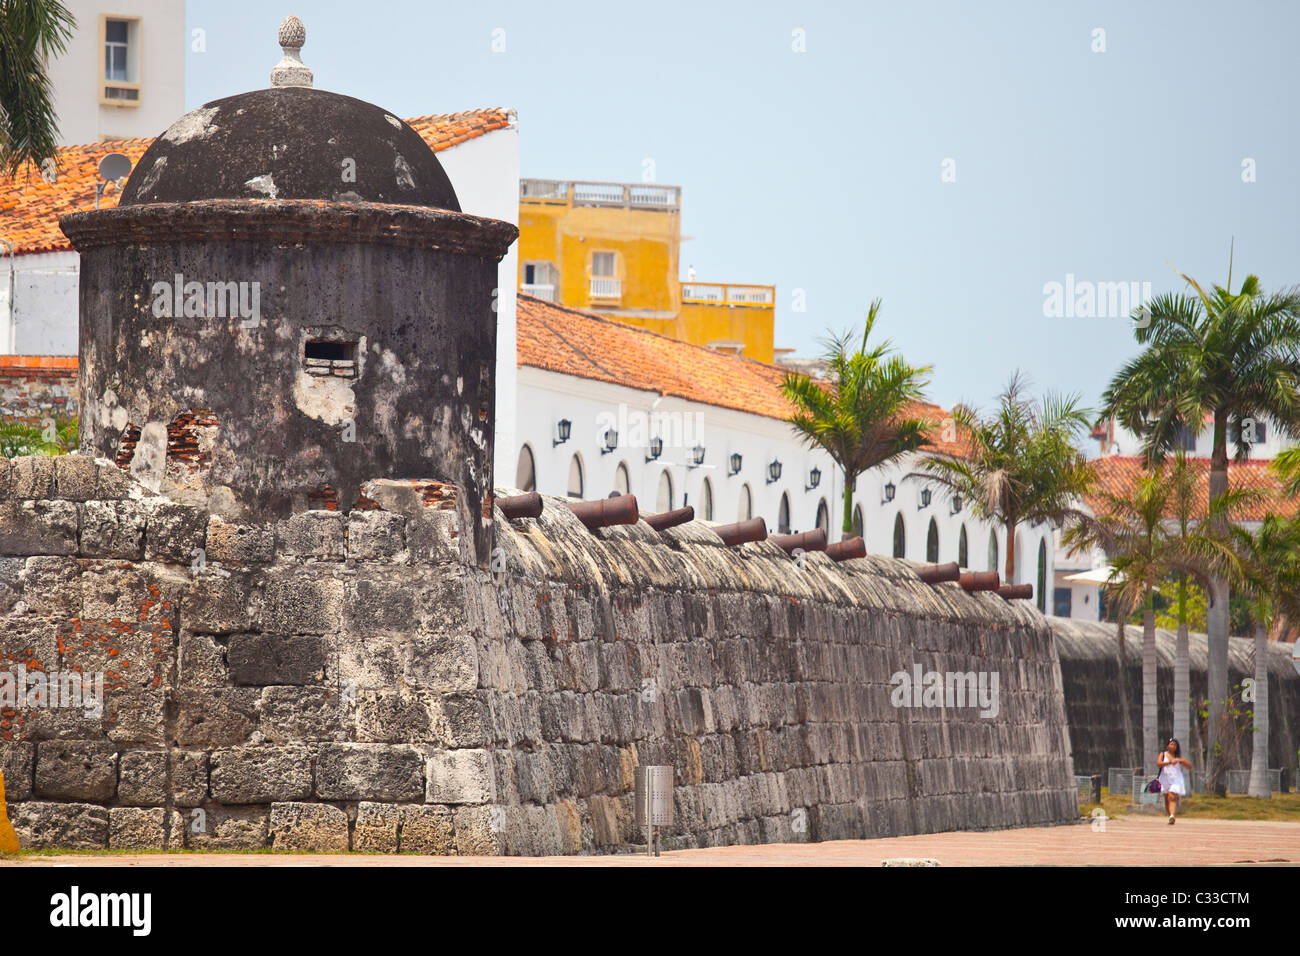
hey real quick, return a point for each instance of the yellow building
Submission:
(614, 249)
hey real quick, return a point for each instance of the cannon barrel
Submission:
(848, 548)
(979, 580)
(670, 519)
(521, 506)
(1016, 592)
(606, 511)
(938, 573)
(814, 540)
(755, 529)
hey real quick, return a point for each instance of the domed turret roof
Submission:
(290, 142)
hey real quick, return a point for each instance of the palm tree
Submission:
(1270, 569)
(1022, 464)
(859, 413)
(1223, 357)
(32, 32)
(1147, 534)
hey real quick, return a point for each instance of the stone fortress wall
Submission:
(337, 681)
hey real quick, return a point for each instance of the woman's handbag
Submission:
(1155, 786)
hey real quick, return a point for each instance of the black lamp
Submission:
(925, 498)
(563, 429)
(773, 471)
(735, 464)
(611, 441)
(697, 454)
(814, 478)
(956, 503)
(656, 449)
(889, 492)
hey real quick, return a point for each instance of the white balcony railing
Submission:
(606, 287)
(721, 292)
(538, 291)
(626, 195)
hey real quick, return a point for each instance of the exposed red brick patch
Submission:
(323, 497)
(183, 438)
(126, 446)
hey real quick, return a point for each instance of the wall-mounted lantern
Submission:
(656, 449)
(773, 471)
(734, 464)
(697, 455)
(956, 504)
(563, 429)
(814, 478)
(925, 499)
(611, 441)
(889, 493)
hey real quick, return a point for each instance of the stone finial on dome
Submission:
(291, 71)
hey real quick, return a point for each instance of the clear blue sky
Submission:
(821, 170)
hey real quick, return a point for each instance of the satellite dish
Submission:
(114, 166)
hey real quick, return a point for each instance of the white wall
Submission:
(76, 75)
(1126, 443)
(44, 304)
(485, 174)
(545, 397)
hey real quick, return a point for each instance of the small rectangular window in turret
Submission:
(337, 359)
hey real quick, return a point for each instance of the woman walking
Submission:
(1172, 781)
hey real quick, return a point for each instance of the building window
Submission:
(993, 551)
(746, 509)
(575, 477)
(962, 550)
(323, 357)
(622, 480)
(706, 500)
(605, 283)
(857, 521)
(541, 280)
(900, 537)
(1062, 601)
(783, 515)
(603, 264)
(1041, 589)
(120, 40)
(526, 470)
(932, 543)
(664, 499)
(824, 517)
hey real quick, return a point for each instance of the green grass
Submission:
(1282, 807)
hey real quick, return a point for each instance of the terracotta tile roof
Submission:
(30, 207)
(1117, 475)
(565, 340)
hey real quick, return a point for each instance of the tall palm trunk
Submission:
(847, 524)
(1150, 741)
(1259, 752)
(1217, 622)
(1009, 575)
(1182, 671)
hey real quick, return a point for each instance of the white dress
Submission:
(1171, 779)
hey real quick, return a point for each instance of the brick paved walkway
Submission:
(1126, 842)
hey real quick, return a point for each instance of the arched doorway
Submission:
(783, 515)
(932, 543)
(963, 558)
(824, 517)
(575, 477)
(622, 480)
(706, 500)
(664, 498)
(526, 470)
(900, 537)
(746, 509)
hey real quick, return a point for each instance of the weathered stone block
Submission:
(375, 830)
(76, 770)
(313, 534)
(173, 532)
(52, 586)
(111, 481)
(32, 476)
(75, 477)
(136, 828)
(38, 527)
(112, 529)
(71, 826)
(430, 831)
(142, 778)
(230, 542)
(388, 772)
(214, 827)
(17, 763)
(6, 477)
(262, 659)
(200, 661)
(217, 603)
(308, 828)
(293, 714)
(302, 603)
(459, 776)
(215, 718)
(478, 831)
(262, 773)
(375, 535)
(378, 606)
(431, 537)
(447, 664)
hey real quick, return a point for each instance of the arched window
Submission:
(932, 543)
(575, 477)
(622, 480)
(900, 537)
(1041, 590)
(993, 549)
(963, 558)
(706, 500)
(783, 515)
(746, 509)
(824, 517)
(857, 521)
(526, 470)
(664, 501)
